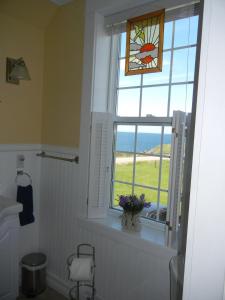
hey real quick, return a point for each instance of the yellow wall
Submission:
(50, 39)
(37, 13)
(21, 105)
(62, 76)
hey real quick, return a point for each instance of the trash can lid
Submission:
(34, 259)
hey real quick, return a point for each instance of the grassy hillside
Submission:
(147, 173)
(156, 150)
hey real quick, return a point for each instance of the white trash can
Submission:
(33, 274)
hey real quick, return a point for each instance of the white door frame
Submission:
(205, 252)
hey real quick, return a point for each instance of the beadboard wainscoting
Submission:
(58, 210)
(125, 268)
(28, 235)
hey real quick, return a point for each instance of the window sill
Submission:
(149, 239)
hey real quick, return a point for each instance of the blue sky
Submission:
(155, 99)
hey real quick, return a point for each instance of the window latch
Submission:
(170, 228)
(174, 131)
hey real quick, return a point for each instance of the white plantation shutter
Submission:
(100, 164)
(186, 188)
(175, 177)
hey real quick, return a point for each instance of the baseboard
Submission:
(58, 284)
(61, 286)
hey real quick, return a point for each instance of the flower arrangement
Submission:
(132, 203)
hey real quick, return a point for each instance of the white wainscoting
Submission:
(28, 235)
(123, 272)
(58, 233)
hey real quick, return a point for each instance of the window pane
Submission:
(191, 63)
(181, 35)
(193, 30)
(125, 137)
(186, 31)
(159, 77)
(148, 139)
(167, 141)
(123, 45)
(126, 81)
(150, 195)
(154, 101)
(162, 213)
(168, 28)
(165, 173)
(184, 65)
(163, 199)
(181, 98)
(163, 207)
(128, 103)
(147, 170)
(120, 189)
(124, 167)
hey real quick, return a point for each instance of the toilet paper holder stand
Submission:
(83, 250)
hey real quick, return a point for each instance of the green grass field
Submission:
(147, 173)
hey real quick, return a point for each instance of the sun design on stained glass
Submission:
(145, 45)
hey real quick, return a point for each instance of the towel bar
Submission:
(44, 155)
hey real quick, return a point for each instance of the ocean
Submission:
(145, 141)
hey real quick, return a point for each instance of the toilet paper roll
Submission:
(81, 269)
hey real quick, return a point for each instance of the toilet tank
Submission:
(9, 262)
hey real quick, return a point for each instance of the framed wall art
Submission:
(144, 44)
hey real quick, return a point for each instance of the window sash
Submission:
(150, 121)
(141, 86)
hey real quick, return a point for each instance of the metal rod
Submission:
(44, 155)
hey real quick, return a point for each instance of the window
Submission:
(143, 118)
(138, 122)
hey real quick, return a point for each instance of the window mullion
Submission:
(140, 100)
(116, 51)
(134, 161)
(141, 185)
(155, 85)
(135, 140)
(171, 70)
(160, 173)
(150, 120)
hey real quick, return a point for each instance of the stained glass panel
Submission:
(145, 43)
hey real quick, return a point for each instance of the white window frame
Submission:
(97, 91)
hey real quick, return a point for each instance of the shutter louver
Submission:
(100, 165)
(175, 180)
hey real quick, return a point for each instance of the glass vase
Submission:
(131, 221)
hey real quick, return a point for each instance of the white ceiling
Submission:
(61, 2)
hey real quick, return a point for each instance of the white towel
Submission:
(81, 269)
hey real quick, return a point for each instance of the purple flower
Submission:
(133, 203)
